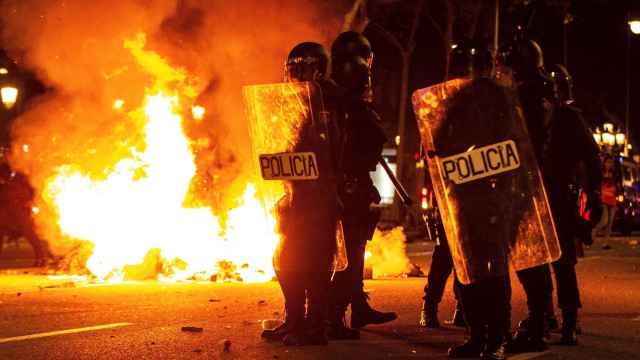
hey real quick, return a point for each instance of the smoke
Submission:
(77, 48)
(388, 256)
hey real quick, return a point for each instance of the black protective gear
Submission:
(439, 271)
(351, 44)
(458, 317)
(362, 314)
(487, 311)
(353, 74)
(429, 315)
(525, 58)
(307, 61)
(569, 327)
(564, 83)
(469, 57)
(471, 348)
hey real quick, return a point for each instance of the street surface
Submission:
(62, 318)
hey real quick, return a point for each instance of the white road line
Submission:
(63, 332)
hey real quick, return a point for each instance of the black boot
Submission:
(294, 304)
(470, 349)
(529, 337)
(569, 324)
(337, 328)
(429, 316)
(496, 341)
(495, 350)
(458, 319)
(362, 314)
(279, 332)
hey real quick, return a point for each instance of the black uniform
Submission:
(559, 164)
(489, 108)
(304, 259)
(439, 271)
(363, 139)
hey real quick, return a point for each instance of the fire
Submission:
(136, 217)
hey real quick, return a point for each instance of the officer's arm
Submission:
(589, 152)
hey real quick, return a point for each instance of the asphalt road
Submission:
(45, 318)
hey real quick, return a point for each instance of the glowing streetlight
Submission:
(597, 136)
(620, 139)
(634, 25)
(9, 95)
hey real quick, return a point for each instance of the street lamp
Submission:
(9, 95)
(634, 26)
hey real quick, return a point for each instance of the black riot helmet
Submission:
(525, 58)
(353, 75)
(470, 58)
(351, 44)
(564, 83)
(307, 61)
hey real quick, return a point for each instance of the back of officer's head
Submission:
(351, 44)
(564, 83)
(307, 61)
(525, 58)
(470, 58)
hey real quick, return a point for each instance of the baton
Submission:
(404, 196)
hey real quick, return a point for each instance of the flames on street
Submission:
(136, 217)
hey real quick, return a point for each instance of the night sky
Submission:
(597, 44)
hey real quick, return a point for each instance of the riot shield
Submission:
(487, 183)
(291, 150)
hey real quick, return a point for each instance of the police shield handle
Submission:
(289, 166)
(479, 163)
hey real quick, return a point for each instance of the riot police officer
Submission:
(362, 139)
(560, 165)
(460, 66)
(305, 258)
(548, 121)
(486, 302)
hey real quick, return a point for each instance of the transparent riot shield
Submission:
(487, 182)
(295, 180)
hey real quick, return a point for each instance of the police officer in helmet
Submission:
(362, 139)
(485, 302)
(306, 257)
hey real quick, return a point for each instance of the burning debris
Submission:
(138, 153)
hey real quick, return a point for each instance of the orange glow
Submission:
(136, 216)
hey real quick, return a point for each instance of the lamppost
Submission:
(610, 140)
(634, 28)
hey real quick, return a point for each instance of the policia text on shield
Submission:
(479, 163)
(289, 166)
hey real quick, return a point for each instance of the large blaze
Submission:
(140, 206)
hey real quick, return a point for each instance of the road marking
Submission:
(62, 332)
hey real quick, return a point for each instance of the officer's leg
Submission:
(472, 298)
(498, 300)
(361, 312)
(317, 307)
(568, 299)
(439, 271)
(294, 299)
(530, 334)
(344, 284)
